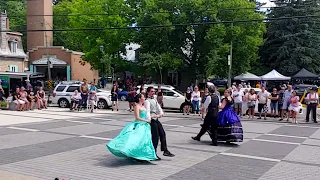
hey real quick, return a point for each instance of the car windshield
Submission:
(177, 91)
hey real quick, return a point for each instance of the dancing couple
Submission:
(139, 139)
(221, 126)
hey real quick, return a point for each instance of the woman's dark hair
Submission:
(149, 89)
(138, 97)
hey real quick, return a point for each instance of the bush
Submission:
(3, 104)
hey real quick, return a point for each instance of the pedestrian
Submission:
(262, 102)
(286, 101)
(196, 100)
(252, 98)
(293, 107)
(312, 100)
(274, 97)
(237, 95)
(160, 96)
(114, 96)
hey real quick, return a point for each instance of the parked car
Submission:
(257, 90)
(172, 97)
(63, 91)
(301, 88)
(122, 95)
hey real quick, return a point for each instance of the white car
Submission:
(257, 90)
(63, 91)
(172, 97)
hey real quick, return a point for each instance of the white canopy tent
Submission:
(274, 76)
(247, 77)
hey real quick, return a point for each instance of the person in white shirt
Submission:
(195, 97)
(237, 95)
(92, 100)
(312, 100)
(75, 100)
(262, 102)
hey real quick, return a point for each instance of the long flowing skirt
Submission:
(231, 132)
(134, 141)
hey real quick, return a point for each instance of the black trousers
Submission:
(157, 132)
(210, 124)
(313, 107)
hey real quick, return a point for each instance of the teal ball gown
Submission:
(134, 141)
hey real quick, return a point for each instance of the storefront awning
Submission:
(53, 61)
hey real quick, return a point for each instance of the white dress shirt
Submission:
(157, 110)
(208, 101)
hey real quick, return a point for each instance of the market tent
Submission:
(274, 76)
(247, 77)
(305, 74)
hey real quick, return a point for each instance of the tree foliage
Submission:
(200, 46)
(292, 44)
(16, 11)
(113, 41)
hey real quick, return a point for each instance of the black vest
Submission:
(213, 107)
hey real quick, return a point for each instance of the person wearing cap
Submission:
(312, 100)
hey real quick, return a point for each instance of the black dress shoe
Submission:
(315, 121)
(214, 144)
(196, 138)
(168, 153)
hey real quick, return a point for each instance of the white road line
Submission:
(250, 157)
(172, 125)
(292, 125)
(272, 141)
(280, 135)
(82, 122)
(24, 129)
(93, 137)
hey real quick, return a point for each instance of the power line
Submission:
(157, 12)
(265, 20)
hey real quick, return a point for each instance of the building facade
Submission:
(12, 56)
(64, 64)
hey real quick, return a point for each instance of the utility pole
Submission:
(103, 65)
(47, 51)
(230, 59)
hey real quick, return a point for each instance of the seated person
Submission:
(31, 97)
(42, 102)
(23, 97)
(75, 100)
(92, 100)
(17, 100)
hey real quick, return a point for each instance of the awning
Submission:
(53, 61)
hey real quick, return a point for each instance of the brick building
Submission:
(65, 64)
(12, 56)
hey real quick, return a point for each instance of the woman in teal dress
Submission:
(134, 141)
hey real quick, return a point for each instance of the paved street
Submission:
(42, 145)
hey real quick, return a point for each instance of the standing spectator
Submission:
(41, 99)
(93, 87)
(114, 96)
(187, 102)
(252, 97)
(31, 97)
(274, 97)
(17, 100)
(245, 102)
(293, 107)
(75, 100)
(196, 100)
(131, 99)
(280, 101)
(286, 101)
(92, 100)
(237, 95)
(160, 96)
(203, 99)
(312, 100)
(84, 89)
(262, 102)
(23, 97)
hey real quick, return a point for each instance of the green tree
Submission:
(16, 10)
(199, 46)
(292, 44)
(159, 62)
(89, 42)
